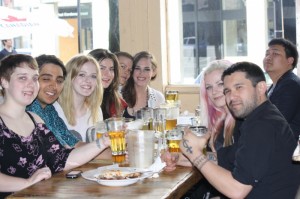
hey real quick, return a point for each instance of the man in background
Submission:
(8, 48)
(280, 59)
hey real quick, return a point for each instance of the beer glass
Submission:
(116, 132)
(96, 132)
(159, 119)
(174, 137)
(171, 96)
(140, 144)
(159, 124)
(146, 114)
(172, 113)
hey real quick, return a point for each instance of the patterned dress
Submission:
(22, 156)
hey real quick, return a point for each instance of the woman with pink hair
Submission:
(215, 114)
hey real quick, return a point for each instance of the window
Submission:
(223, 29)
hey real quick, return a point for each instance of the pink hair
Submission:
(212, 117)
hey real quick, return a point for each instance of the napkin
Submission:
(156, 167)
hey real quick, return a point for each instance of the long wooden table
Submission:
(167, 185)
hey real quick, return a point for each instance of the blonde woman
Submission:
(79, 103)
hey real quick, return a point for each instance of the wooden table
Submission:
(167, 185)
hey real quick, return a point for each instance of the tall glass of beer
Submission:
(116, 132)
(159, 123)
(172, 113)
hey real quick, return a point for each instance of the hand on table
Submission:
(39, 175)
(170, 159)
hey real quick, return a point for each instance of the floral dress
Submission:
(22, 156)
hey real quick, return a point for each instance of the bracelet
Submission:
(98, 143)
(200, 161)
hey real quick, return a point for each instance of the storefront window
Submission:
(214, 29)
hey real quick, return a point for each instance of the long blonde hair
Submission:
(92, 102)
(212, 117)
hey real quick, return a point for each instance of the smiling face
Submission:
(214, 88)
(51, 84)
(107, 72)
(143, 72)
(23, 85)
(125, 69)
(85, 82)
(241, 97)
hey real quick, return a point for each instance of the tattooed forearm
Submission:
(200, 161)
(186, 146)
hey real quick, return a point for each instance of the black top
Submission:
(263, 155)
(127, 115)
(22, 156)
(286, 97)
(229, 151)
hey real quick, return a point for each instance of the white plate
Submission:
(93, 174)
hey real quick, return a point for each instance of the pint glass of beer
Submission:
(172, 113)
(116, 132)
(173, 139)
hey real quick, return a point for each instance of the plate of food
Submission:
(120, 176)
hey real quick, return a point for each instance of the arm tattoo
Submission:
(200, 161)
(188, 148)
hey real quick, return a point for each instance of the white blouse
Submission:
(82, 123)
(156, 98)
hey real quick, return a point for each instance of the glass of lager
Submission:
(171, 96)
(174, 137)
(172, 113)
(116, 132)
